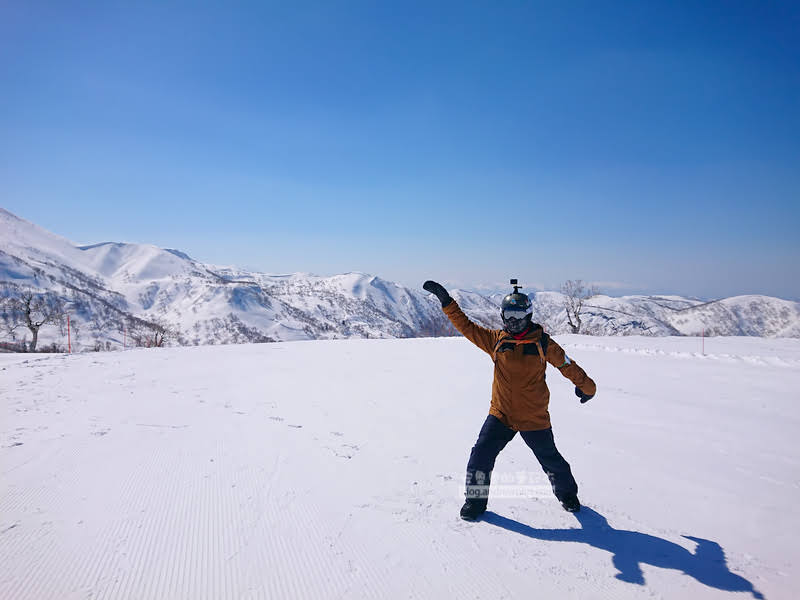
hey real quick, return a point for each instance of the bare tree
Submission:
(149, 334)
(75, 333)
(98, 325)
(33, 310)
(575, 294)
(9, 319)
(159, 333)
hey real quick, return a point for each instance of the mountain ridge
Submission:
(112, 288)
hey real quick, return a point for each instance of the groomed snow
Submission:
(331, 469)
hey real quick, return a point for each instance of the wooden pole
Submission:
(69, 337)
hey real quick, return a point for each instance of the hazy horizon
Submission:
(483, 287)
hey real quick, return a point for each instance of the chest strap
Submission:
(511, 340)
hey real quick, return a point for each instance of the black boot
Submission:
(571, 503)
(472, 509)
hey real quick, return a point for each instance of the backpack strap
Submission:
(545, 341)
(499, 343)
(541, 352)
(541, 345)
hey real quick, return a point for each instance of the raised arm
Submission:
(483, 338)
(570, 369)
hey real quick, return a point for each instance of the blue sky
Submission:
(648, 146)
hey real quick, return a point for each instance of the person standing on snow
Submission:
(520, 351)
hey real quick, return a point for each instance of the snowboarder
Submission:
(520, 351)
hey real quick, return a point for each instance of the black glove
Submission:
(437, 290)
(584, 397)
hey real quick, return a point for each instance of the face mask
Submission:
(514, 325)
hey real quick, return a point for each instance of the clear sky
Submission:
(648, 146)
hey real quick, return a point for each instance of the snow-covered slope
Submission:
(332, 469)
(107, 285)
(123, 264)
(113, 290)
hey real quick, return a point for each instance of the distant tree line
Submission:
(24, 312)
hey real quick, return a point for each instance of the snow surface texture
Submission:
(332, 469)
(107, 284)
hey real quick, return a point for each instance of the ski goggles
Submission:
(516, 313)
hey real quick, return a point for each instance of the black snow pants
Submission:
(493, 437)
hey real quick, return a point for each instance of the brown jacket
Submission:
(519, 392)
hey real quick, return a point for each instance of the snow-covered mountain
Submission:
(752, 315)
(115, 291)
(110, 287)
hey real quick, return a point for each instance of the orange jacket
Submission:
(519, 392)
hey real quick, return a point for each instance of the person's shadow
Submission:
(630, 549)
